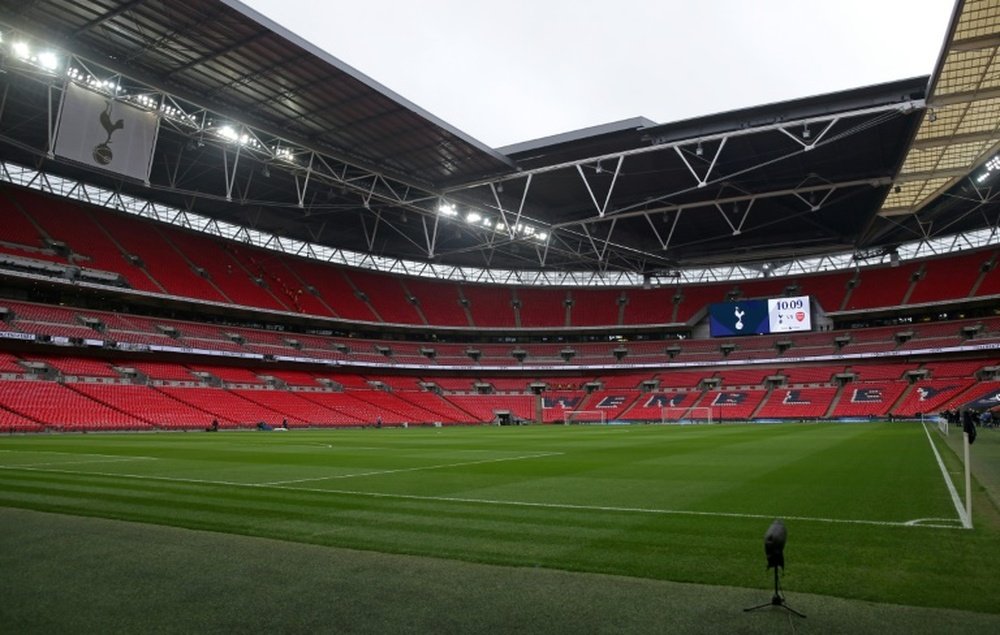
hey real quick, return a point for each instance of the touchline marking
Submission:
(103, 456)
(117, 460)
(481, 501)
(966, 521)
(411, 469)
(139, 477)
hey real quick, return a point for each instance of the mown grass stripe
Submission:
(511, 503)
(678, 504)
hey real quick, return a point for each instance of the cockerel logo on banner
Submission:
(101, 132)
(989, 400)
(926, 393)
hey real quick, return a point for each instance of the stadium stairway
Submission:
(903, 397)
(760, 405)
(834, 402)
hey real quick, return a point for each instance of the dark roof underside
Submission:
(798, 178)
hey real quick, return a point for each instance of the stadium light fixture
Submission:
(806, 133)
(228, 133)
(48, 60)
(21, 50)
(699, 150)
(473, 217)
(993, 165)
(447, 209)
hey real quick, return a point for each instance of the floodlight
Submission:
(473, 217)
(48, 60)
(806, 133)
(21, 50)
(991, 166)
(699, 150)
(774, 550)
(228, 133)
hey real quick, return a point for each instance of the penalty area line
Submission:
(496, 502)
(411, 469)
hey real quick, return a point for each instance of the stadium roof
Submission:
(261, 129)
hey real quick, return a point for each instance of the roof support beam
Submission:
(702, 180)
(824, 187)
(657, 146)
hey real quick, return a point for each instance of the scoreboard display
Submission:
(759, 317)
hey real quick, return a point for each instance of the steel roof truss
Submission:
(812, 203)
(736, 229)
(702, 180)
(302, 182)
(430, 234)
(879, 182)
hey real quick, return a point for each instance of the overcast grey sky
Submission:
(505, 72)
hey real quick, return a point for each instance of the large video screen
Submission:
(759, 317)
(789, 314)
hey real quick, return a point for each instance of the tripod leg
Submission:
(776, 599)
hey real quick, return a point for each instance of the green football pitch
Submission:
(869, 512)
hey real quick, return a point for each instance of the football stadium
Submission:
(282, 351)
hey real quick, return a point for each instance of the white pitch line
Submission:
(411, 469)
(962, 516)
(116, 460)
(483, 501)
(938, 521)
(103, 456)
(139, 477)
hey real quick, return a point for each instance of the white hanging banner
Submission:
(98, 131)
